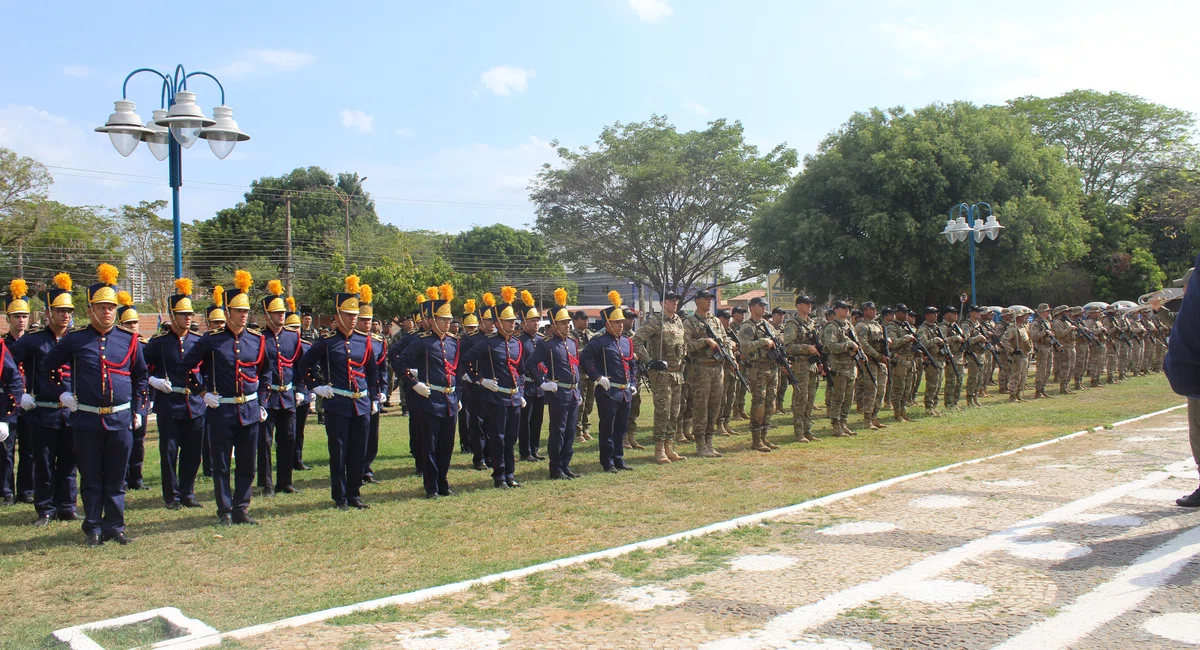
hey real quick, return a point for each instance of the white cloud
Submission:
(651, 11)
(695, 107)
(263, 62)
(358, 120)
(76, 71)
(505, 79)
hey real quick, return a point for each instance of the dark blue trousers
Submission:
(438, 445)
(54, 489)
(137, 456)
(223, 441)
(502, 426)
(372, 445)
(476, 436)
(614, 419)
(24, 456)
(347, 452)
(414, 431)
(103, 465)
(560, 441)
(7, 462)
(179, 441)
(532, 415)
(301, 420)
(280, 429)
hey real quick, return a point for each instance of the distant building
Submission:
(744, 299)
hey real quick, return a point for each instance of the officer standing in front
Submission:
(283, 351)
(608, 360)
(434, 356)
(180, 408)
(379, 347)
(107, 398)
(558, 353)
(237, 378)
(498, 363)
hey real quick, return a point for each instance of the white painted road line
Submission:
(785, 630)
(1108, 601)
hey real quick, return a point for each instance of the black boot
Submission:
(1190, 501)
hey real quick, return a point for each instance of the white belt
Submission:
(280, 389)
(563, 384)
(181, 390)
(350, 394)
(620, 386)
(241, 399)
(441, 389)
(49, 405)
(104, 410)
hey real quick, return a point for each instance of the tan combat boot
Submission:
(726, 430)
(660, 452)
(798, 434)
(846, 428)
(808, 435)
(633, 443)
(875, 421)
(757, 441)
(669, 448)
(766, 441)
(867, 423)
(688, 433)
(708, 442)
(838, 431)
(702, 448)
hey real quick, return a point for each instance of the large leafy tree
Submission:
(146, 243)
(863, 219)
(1117, 140)
(656, 205)
(73, 239)
(517, 257)
(23, 185)
(1167, 210)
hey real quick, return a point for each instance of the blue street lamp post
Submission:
(970, 225)
(174, 127)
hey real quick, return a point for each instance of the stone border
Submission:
(432, 593)
(77, 637)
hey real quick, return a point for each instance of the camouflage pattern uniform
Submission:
(587, 389)
(1018, 344)
(1137, 333)
(1064, 359)
(842, 371)
(663, 338)
(954, 337)
(1117, 350)
(1098, 352)
(931, 337)
(763, 375)
(1082, 347)
(871, 334)
(798, 337)
(729, 389)
(902, 361)
(998, 335)
(977, 337)
(1042, 335)
(705, 378)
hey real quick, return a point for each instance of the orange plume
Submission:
(560, 297)
(275, 288)
(431, 293)
(527, 297)
(351, 284)
(123, 298)
(469, 306)
(420, 297)
(63, 281)
(489, 299)
(507, 294)
(18, 288)
(183, 286)
(219, 296)
(446, 291)
(243, 280)
(614, 297)
(107, 273)
(291, 303)
(365, 293)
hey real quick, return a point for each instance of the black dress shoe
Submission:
(341, 506)
(356, 503)
(25, 498)
(569, 473)
(9, 500)
(224, 520)
(559, 476)
(513, 483)
(243, 517)
(498, 483)
(93, 540)
(448, 493)
(268, 492)
(287, 489)
(137, 485)
(431, 495)
(41, 522)
(174, 505)
(611, 470)
(1190, 501)
(537, 456)
(120, 538)
(69, 516)
(620, 464)
(369, 479)
(301, 467)
(528, 459)
(480, 466)
(190, 502)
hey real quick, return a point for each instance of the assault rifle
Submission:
(859, 355)
(723, 353)
(918, 346)
(946, 353)
(1086, 331)
(967, 346)
(1053, 339)
(778, 355)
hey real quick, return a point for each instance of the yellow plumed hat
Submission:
(104, 291)
(560, 313)
(216, 311)
(16, 303)
(347, 300)
(614, 312)
(126, 313)
(365, 295)
(181, 302)
(60, 295)
(273, 301)
(469, 317)
(239, 296)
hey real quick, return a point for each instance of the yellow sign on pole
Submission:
(778, 294)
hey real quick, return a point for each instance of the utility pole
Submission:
(20, 257)
(345, 199)
(288, 270)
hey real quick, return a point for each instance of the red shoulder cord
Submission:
(625, 359)
(287, 363)
(450, 368)
(572, 359)
(243, 377)
(382, 360)
(108, 368)
(512, 364)
(352, 375)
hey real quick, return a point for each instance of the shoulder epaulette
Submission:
(80, 328)
(425, 335)
(493, 334)
(126, 329)
(330, 335)
(215, 330)
(376, 337)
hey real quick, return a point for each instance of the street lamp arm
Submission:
(125, 86)
(205, 74)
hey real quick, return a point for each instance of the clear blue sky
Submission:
(449, 107)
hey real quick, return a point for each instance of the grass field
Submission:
(308, 556)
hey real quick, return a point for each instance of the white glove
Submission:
(490, 384)
(603, 382)
(27, 402)
(421, 389)
(374, 408)
(262, 414)
(381, 398)
(466, 377)
(300, 398)
(211, 400)
(68, 400)
(523, 402)
(162, 385)
(325, 391)
(456, 410)
(633, 389)
(137, 420)
(3, 431)
(412, 372)
(549, 387)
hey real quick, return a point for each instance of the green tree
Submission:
(71, 239)
(1116, 140)
(1167, 210)
(863, 219)
(147, 244)
(655, 205)
(516, 257)
(23, 185)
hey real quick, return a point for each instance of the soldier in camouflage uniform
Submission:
(1097, 350)
(582, 335)
(842, 368)
(1137, 333)
(956, 340)
(730, 383)
(1042, 335)
(756, 336)
(977, 338)
(705, 372)
(930, 334)
(799, 335)
(918, 365)
(1006, 319)
(661, 344)
(901, 347)
(872, 337)
(1115, 352)
(1082, 347)
(1019, 345)
(778, 316)
(737, 317)
(1064, 360)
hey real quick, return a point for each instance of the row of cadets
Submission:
(607, 359)
(107, 399)
(346, 362)
(533, 412)
(283, 350)
(54, 486)
(431, 360)
(555, 363)
(379, 391)
(498, 362)
(16, 465)
(475, 439)
(128, 317)
(237, 375)
(295, 322)
(180, 409)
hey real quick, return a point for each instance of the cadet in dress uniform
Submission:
(582, 335)
(434, 356)
(468, 337)
(498, 363)
(534, 411)
(214, 318)
(414, 423)
(12, 389)
(608, 359)
(128, 318)
(470, 394)
(237, 378)
(107, 397)
(347, 363)
(54, 487)
(556, 366)
(282, 398)
(179, 408)
(379, 347)
(304, 398)
(18, 448)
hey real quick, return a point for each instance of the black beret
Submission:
(841, 304)
(887, 310)
(949, 308)
(902, 308)
(703, 293)
(779, 310)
